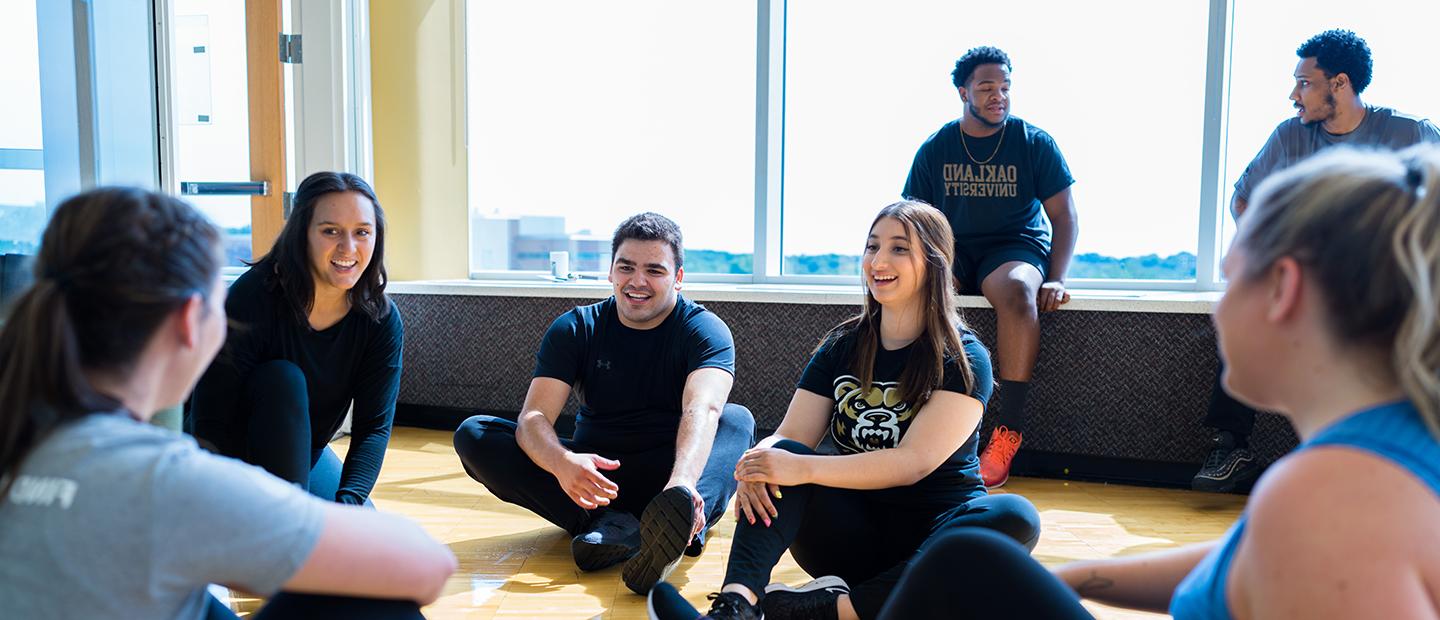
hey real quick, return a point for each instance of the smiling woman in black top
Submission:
(876, 453)
(313, 331)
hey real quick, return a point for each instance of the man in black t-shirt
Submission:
(651, 465)
(1003, 184)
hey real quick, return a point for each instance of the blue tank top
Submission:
(1393, 431)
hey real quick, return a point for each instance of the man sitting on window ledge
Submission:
(997, 178)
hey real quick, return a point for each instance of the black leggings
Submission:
(286, 605)
(1226, 413)
(277, 435)
(861, 538)
(976, 573)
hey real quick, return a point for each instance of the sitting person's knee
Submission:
(737, 418)
(1014, 295)
(790, 445)
(974, 544)
(1019, 520)
(277, 375)
(278, 396)
(475, 432)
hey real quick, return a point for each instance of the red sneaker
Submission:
(995, 460)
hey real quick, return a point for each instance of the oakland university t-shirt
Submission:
(630, 381)
(991, 188)
(877, 419)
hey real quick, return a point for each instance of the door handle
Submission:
(225, 188)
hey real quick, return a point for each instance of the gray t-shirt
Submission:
(1293, 141)
(111, 518)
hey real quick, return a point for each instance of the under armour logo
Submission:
(602, 364)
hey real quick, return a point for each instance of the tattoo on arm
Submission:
(1094, 585)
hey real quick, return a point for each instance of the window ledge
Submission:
(1178, 302)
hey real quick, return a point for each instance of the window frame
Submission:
(768, 250)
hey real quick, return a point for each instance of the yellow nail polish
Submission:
(778, 494)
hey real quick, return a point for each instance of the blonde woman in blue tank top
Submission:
(1332, 317)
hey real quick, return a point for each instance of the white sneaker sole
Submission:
(821, 583)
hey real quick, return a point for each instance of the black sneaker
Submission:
(817, 600)
(611, 537)
(1228, 468)
(665, 528)
(728, 605)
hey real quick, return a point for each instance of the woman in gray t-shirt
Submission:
(102, 515)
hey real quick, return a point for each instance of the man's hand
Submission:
(697, 500)
(579, 475)
(1051, 296)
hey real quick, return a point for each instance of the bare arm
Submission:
(940, 427)
(578, 474)
(536, 434)
(1060, 208)
(706, 390)
(805, 422)
(1144, 581)
(1337, 532)
(364, 552)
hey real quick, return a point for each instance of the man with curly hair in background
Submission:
(1335, 68)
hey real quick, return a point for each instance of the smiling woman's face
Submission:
(341, 239)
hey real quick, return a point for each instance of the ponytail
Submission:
(114, 264)
(1417, 251)
(39, 363)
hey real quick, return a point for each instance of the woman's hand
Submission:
(777, 467)
(752, 499)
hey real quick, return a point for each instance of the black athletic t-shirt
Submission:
(630, 381)
(357, 358)
(999, 199)
(878, 419)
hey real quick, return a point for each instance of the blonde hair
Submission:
(1366, 224)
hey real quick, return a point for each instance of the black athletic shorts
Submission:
(974, 260)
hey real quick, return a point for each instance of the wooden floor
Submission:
(515, 565)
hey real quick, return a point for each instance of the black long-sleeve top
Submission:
(357, 358)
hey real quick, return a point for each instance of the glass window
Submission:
(865, 86)
(1265, 36)
(581, 114)
(212, 112)
(22, 175)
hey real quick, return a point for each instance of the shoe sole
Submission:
(821, 583)
(590, 557)
(664, 534)
(1233, 484)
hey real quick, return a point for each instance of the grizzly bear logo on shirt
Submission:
(868, 420)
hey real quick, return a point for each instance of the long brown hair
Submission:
(925, 367)
(113, 264)
(1366, 225)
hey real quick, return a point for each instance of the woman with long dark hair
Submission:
(103, 515)
(877, 451)
(313, 333)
